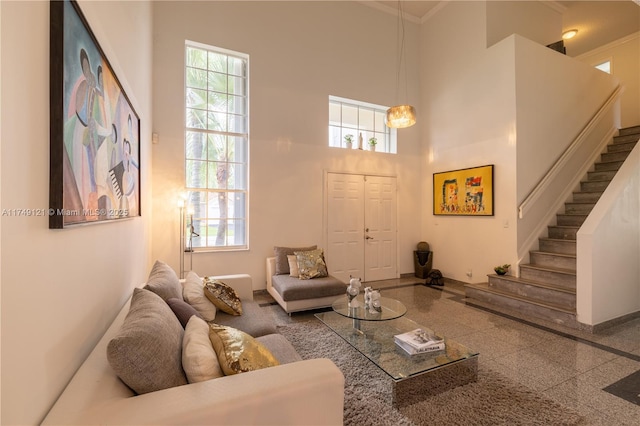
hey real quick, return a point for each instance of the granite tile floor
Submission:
(568, 366)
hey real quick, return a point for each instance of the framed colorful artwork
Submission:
(94, 129)
(465, 192)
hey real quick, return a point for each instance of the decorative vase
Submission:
(367, 297)
(373, 147)
(374, 302)
(349, 145)
(352, 291)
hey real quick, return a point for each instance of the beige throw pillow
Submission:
(293, 265)
(199, 360)
(193, 292)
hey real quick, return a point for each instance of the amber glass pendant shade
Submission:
(401, 116)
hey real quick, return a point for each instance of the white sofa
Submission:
(298, 393)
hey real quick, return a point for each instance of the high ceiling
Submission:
(415, 8)
(598, 22)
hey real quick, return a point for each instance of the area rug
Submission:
(492, 400)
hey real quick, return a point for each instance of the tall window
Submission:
(216, 147)
(355, 118)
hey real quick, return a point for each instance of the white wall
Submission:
(516, 105)
(624, 55)
(300, 53)
(0, 201)
(534, 20)
(61, 288)
(608, 284)
(552, 108)
(469, 94)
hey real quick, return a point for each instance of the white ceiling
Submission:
(414, 8)
(598, 22)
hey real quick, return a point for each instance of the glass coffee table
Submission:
(414, 377)
(391, 309)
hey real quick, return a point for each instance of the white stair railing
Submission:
(562, 161)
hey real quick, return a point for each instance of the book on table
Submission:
(419, 341)
(413, 351)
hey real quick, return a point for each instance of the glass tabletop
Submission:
(391, 309)
(375, 341)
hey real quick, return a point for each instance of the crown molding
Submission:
(555, 5)
(437, 8)
(610, 45)
(390, 10)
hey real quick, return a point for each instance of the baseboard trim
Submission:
(613, 322)
(408, 275)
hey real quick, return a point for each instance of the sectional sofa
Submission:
(296, 392)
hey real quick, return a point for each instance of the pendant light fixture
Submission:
(401, 116)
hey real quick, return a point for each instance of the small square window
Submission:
(350, 119)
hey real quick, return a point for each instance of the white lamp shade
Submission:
(401, 116)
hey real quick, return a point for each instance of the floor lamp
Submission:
(181, 245)
(192, 233)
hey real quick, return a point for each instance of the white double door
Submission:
(361, 226)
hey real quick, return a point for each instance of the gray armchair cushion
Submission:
(147, 351)
(291, 288)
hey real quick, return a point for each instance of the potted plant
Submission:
(372, 143)
(502, 269)
(348, 140)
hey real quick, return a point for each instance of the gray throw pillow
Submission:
(147, 351)
(281, 253)
(183, 310)
(164, 282)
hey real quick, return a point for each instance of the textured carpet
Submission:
(492, 400)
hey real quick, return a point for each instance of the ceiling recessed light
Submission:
(569, 34)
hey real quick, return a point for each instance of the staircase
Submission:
(546, 288)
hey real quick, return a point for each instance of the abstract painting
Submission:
(465, 192)
(94, 130)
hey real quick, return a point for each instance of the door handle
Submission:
(368, 238)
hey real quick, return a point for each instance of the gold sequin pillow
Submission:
(224, 297)
(311, 264)
(238, 352)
